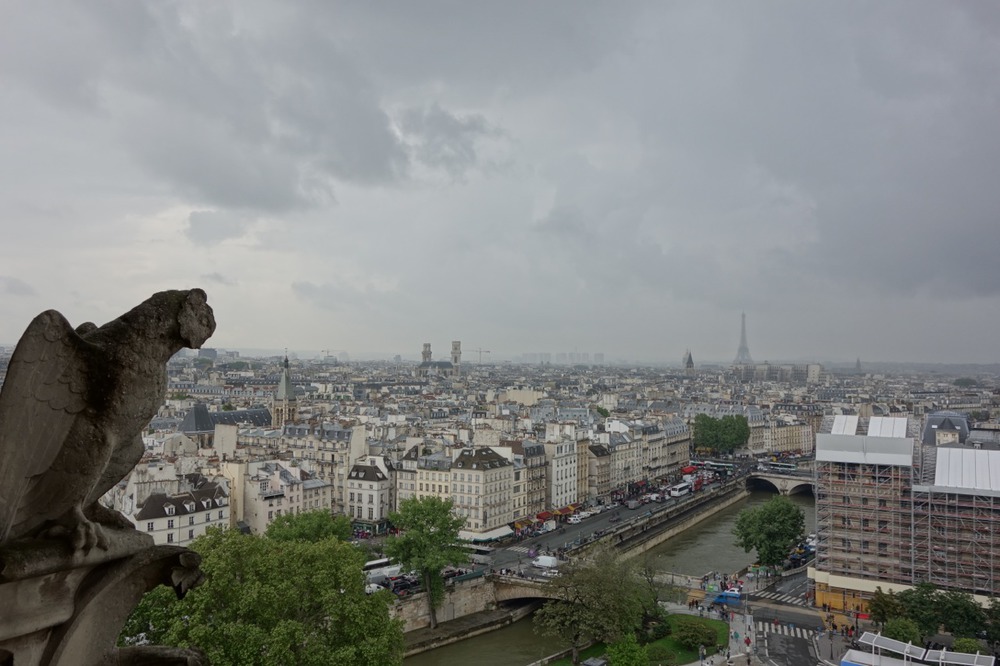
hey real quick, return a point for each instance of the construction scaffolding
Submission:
(864, 518)
(893, 515)
(956, 534)
(864, 521)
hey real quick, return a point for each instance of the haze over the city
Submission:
(624, 178)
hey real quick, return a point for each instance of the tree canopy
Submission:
(902, 629)
(884, 607)
(921, 604)
(721, 435)
(627, 652)
(310, 526)
(273, 602)
(968, 646)
(600, 598)
(428, 542)
(772, 529)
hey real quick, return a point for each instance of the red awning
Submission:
(544, 515)
(565, 511)
(575, 506)
(689, 470)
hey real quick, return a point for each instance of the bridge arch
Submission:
(786, 484)
(759, 483)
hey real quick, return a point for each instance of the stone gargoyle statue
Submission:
(73, 407)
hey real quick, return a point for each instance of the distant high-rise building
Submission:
(743, 353)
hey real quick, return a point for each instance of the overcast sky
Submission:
(617, 177)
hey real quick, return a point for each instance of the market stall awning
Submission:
(688, 470)
(565, 511)
(521, 524)
(575, 506)
(497, 533)
(544, 515)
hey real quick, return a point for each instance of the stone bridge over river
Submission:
(786, 483)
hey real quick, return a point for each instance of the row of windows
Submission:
(361, 497)
(358, 513)
(150, 526)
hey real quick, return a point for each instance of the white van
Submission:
(574, 520)
(545, 562)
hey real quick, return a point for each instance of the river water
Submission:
(705, 547)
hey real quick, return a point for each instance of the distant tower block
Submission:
(456, 353)
(426, 355)
(743, 353)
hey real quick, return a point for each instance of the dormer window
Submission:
(189, 506)
(169, 509)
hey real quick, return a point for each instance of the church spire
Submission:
(284, 408)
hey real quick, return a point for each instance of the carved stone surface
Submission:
(72, 410)
(74, 404)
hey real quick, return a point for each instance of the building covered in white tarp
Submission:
(893, 511)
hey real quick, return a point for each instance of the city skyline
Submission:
(618, 179)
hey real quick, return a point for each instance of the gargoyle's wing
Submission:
(44, 391)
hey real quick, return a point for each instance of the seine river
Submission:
(703, 548)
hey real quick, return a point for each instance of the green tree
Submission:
(736, 431)
(428, 542)
(692, 634)
(652, 591)
(598, 598)
(884, 607)
(903, 629)
(968, 645)
(960, 614)
(310, 526)
(992, 613)
(720, 435)
(705, 432)
(228, 407)
(922, 604)
(603, 412)
(272, 602)
(772, 529)
(627, 652)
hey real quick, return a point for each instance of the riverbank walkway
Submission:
(426, 638)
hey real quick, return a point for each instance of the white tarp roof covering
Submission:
(971, 469)
(885, 444)
(485, 536)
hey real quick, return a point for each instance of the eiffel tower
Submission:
(743, 353)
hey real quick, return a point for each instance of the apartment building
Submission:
(370, 494)
(787, 436)
(481, 481)
(264, 490)
(179, 518)
(561, 472)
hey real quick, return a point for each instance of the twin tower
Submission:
(428, 367)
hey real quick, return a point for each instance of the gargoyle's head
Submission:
(196, 319)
